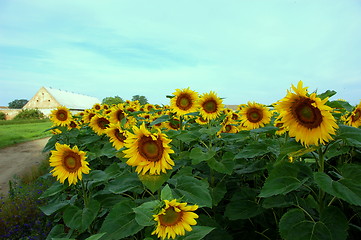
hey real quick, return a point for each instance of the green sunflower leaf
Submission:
(120, 222)
(161, 119)
(224, 165)
(166, 193)
(154, 182)
(192, 190)
(347, 188)
(284, 178)
(144, 213)
(198, 232)
(81, 219)
(350, 135)
(332, 225)
(243, 205)
(197, 155)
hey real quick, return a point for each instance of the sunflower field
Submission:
(194, 169)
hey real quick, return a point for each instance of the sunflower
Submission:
(255, 115)
(184, 101)
(99, 124)
(97, 107)
(172, 124)
(61, 116)
(174, 219)
(210, 105)
(88, 115)
(354, 118)
(306, 117)
(69, 163)
(228, 128)
(116, 136)
(200, 120)
(148, 151)
(281, 129)
(117, 113)
(73, 125)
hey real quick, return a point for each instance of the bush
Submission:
(30, 114)
(2, 116)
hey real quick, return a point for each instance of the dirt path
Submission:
(16, 159)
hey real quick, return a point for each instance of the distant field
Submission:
(12, 132)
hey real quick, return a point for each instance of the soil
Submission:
(15, 160)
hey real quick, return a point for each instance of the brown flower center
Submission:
(120, 115)
(120, 136)
(210, 106)
(62, 115)
(306, 114)
(228, 128)
(102, 123)
(254, 115)
(171, 217)
(184, 102)
(73, 124)
(150, 149)
(71, 161)
(356, 116)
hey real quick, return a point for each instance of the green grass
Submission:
(12, 132)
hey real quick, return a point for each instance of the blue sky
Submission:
(242, 50)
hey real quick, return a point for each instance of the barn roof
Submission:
(72, 100)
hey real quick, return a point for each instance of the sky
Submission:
(244, 50)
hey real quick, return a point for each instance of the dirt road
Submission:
(16, 159)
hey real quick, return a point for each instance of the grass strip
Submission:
(21, 132)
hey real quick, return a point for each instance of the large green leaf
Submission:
(347, 188)
(218, 192)
(198, 232)
(187, 137)
(256, 149)
(144, 213)
(192, 190)
(161, 119)
(80, 219)
(120, 222)
(197, 155)
(223, 165)
(284, 178)
(166, 193)
(243, 205)
(52, 207)
(54, 189)
(332, 225)
(351, 135)
(154, 182)
(126, 182)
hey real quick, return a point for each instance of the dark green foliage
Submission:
(142, 99)
(18, 103)
(2, 116)
(29, 114)
(112, 100)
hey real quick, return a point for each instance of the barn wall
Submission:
(42, 100)
(10, 113)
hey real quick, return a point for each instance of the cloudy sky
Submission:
(250, 50)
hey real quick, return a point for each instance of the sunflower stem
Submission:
(85, 195)
(321, 163)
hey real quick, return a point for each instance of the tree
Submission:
(142, 99)
(112, 100)
(18, 103)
